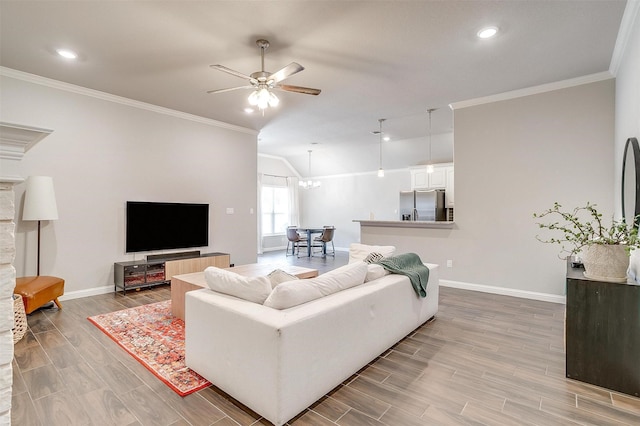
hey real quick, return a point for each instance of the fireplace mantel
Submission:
(15, 141)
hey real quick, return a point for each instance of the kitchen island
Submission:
(406, 223)
(433, 241)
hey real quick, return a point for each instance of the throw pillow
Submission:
(253, 289)
(375, 271)
(373, 257)
(293, 293)
(359, 251)
(278, 276)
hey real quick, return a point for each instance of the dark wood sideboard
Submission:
(603, 332)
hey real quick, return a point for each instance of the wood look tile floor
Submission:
(484, 360)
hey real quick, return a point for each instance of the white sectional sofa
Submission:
(280, 361)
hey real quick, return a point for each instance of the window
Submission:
(275, 209)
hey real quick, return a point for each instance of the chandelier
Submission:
(308, 184)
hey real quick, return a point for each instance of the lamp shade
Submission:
(40, 199)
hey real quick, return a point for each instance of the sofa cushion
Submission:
(253, 289)
(359, 251)
(278, 276)
(375, 271)
(293, 293)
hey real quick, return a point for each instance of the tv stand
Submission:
(173, 256)
(158, 269)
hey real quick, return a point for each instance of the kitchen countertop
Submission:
(406, 223)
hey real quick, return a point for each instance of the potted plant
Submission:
(604, 249)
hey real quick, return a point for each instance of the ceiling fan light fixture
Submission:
(263, 98)
(253, 98)
(263, 82)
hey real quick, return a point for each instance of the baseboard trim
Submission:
(267, 250)
(86, 293)
(523, 294)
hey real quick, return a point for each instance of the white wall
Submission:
(333, 159)
(627, 93)
(341, 199)
(513, 158)
(101, 154)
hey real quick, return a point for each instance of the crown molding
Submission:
(630, 16)
(535, 90)
(72, 88)
(15, 141)
(284, 160)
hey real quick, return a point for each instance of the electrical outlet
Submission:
(449, 263)
(230, 210)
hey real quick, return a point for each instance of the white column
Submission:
(15, 140)
(7, 284)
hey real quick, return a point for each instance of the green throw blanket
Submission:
(409, 264)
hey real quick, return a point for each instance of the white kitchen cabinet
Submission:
(441, 178)
(420, 179)
(448, 197)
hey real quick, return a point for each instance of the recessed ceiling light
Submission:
(65, 53)
(248, 110)
(488, 32)
(386, 138)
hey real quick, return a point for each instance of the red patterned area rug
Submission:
(155, 338)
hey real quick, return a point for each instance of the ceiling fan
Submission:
(263, 81)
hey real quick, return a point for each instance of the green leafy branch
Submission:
(577, 232)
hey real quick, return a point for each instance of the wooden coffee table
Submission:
(180, 284)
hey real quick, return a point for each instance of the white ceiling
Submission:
(372, 59)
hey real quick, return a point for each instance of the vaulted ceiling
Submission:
(372, 59)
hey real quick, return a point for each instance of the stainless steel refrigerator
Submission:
(422, 205)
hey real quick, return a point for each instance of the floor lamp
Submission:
(39, 203)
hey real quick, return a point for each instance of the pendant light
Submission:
(380, 170)
(429, 165)
(308, 184)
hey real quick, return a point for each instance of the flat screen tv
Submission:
(160, 226)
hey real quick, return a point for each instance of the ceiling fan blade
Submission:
(230, 71)
(298, 89)
(286, 72)
(229, 89)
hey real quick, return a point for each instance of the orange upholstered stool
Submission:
(37, 291)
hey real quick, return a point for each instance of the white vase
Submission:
(606, 262)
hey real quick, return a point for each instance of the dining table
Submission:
(310, 232)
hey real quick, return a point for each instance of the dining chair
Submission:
(295, 240)
(325, 238)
